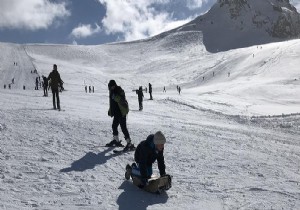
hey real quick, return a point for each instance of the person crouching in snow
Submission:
(146, 153)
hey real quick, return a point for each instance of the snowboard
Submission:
(156, 184)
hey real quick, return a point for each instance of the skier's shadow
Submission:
(89, 161)
(135, 110)
(136, 199)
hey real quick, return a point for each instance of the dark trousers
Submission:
(140, 104)
(150, 95)
(55, 94)
(45, 91)
(119, 120)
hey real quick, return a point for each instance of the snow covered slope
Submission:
(228, 144)
(232, 24)
(263, 79)
(16, 64)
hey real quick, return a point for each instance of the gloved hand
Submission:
(169, 184)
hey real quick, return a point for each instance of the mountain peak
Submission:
(233, 24)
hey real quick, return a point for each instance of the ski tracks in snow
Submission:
(54, 159)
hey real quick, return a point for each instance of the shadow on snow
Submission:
(89, 161)
(136, 199)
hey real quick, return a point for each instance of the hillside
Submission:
(232, 134)
(165, 62)
(232, 24)
(181, 59)
(16, 64)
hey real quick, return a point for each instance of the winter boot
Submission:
(129, 146)
(128, 172)
(115, 142)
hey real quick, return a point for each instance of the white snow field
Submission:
(233, 138)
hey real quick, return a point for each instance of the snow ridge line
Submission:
(232, 116)
(276, 116)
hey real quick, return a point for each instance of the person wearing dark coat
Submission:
(146, 153)
(45, 85)
(140, 94)
(55, 82)
(150, 91)
(36, 83)
(118, 109)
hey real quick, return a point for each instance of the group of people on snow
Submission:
(54, 82)
(91, 89)
(148, 151)
(140, 94)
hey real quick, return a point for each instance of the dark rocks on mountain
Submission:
(232, 24)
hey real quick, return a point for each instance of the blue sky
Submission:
(94, 21)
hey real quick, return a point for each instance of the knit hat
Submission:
(159, 138)
(112, 83)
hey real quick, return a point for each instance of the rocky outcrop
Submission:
(231, 24)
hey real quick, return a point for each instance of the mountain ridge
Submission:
(232, 24)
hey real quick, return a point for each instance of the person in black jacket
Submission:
(55, 82)
(118, 109)
(45, 85)
(140, 94)
(146, 153)
(150, 91)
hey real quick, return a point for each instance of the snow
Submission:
(232, 141)
(232, 24)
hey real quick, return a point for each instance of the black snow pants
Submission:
(55, 94)
(120, 120)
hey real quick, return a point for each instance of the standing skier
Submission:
(140, 94)
(36, 83)
(55, 81)
(150, 91)
(118, 109)
(45, 85)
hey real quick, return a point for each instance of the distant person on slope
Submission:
(55, 81)
(150, 91)
(140, 94)
(36, 83)
(45, 85)
(118, 109)
(146, 153)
